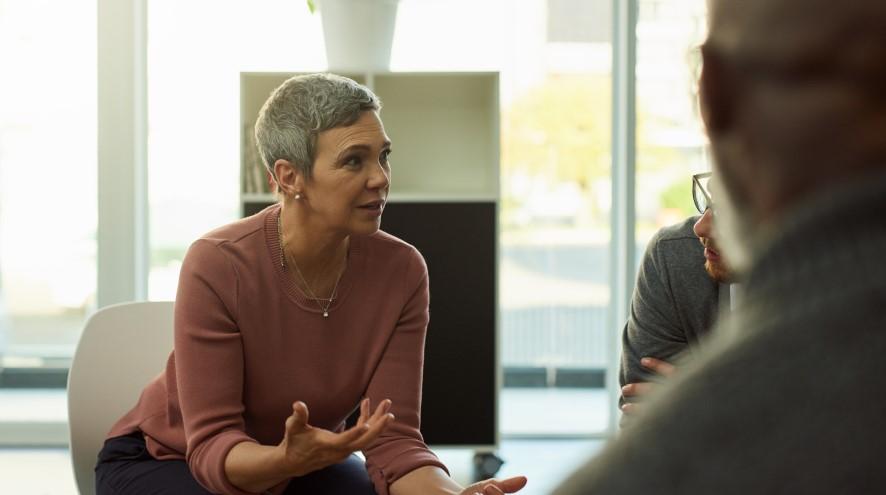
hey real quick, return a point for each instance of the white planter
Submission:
(358, 33)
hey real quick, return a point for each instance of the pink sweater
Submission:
(248, 344)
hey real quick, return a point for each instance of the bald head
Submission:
(792, 96)
(788, 31)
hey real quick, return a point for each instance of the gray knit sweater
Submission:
(674, 305)
(788, 397)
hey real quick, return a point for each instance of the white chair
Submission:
(121, 349)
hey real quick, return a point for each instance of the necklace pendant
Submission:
(326, 314)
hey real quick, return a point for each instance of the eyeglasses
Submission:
(700, 194)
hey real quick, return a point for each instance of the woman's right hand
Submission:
(306, 448)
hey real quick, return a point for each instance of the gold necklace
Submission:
(324, 309)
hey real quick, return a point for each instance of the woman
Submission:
(305, 303)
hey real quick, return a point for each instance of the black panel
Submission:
(458, 241)
(252, 207)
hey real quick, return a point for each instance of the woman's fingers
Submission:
(364, 411)
(496, 487)
(344, 439)
(492, 490)
(382, 409)
(375, 429)
(374, 426)
(298, 422)
(353, 436)
(356, 438)
(365, 406)
(360, 436)
(507, 485)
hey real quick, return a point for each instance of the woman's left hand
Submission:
(496, 487)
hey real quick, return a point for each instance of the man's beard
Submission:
(735, 230)
(718, 272)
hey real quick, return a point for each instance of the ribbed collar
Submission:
(355, 266)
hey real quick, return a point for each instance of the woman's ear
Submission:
(289, 178)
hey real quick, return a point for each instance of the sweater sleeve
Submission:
(209, 364)
(653, 328)
(401, 448)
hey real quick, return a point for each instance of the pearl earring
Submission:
(297, 196)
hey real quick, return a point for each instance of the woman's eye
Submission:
(353, 161)
(384, 156)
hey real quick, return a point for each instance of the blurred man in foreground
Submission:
(787, 398)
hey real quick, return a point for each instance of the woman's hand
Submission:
(496, 487)
(307, 449)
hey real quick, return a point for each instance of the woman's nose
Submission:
(380, 177)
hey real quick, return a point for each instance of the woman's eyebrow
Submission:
(351, 149)
(360, 147)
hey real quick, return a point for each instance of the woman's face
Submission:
(351, 176)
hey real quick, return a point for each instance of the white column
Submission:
(122, 152)
(624, 118)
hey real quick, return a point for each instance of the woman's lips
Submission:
(374, 209)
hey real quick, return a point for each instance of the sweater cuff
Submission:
(382, 477)
(207, 462)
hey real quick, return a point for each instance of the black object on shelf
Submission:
(486, 464)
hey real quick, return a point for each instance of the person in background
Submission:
(683, 284)
(786, 395)
(306, 305)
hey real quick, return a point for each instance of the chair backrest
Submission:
(121, 349)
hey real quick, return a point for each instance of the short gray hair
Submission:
(301, 108)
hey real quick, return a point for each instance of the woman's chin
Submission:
(366, 228)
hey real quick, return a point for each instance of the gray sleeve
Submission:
(653, 328)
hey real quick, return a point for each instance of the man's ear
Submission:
(289, 178)
(718, 95)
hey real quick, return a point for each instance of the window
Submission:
(671, 143)
(193, 111)
(48, 207)
(555, 210)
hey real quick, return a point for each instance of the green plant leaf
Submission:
(311, 6)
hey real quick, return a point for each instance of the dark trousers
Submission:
(125, 468)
